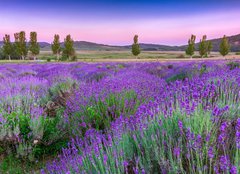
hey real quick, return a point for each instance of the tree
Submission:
(203, 47)
(56, 47)
(191, 46)
(7, 46)
(209, 47)
(135, 46)
(68, 50)
(1, 54)
(20, 44)
(224, 46)
(33, 45)
(16, 45)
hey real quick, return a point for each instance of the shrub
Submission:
(21, 134)
(179, 76)
(193, 127)
(99, 112)
(181, 56)
(238, 53)
(95, 76)
(203, 69)
(48, 59)
(64, 57)
(121, 66)
(233, 65)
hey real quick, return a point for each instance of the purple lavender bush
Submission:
(188, 125)
(123, 118)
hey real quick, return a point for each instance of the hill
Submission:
(233, 40)
(84, 45)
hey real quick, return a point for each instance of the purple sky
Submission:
(113, 22)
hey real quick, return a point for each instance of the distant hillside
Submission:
(233, 40)
(83, 45)
(156, 47)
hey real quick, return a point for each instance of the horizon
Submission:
(156, 22)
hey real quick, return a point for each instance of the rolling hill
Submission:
(84, 45)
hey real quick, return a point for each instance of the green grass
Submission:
(92, 56)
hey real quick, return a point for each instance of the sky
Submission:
(168, 22)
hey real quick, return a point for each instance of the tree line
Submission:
(205, 47)
(20, 48)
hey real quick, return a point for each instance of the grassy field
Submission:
(119, 56)
(127, 55)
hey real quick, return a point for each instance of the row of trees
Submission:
(19, 49)
(67, 52)
(205, 47)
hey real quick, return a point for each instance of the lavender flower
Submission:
(177, 152)
(224, 163)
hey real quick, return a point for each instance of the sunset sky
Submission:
(115, 22)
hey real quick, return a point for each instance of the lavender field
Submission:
(116, 118)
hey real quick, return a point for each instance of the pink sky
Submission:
(172, 31)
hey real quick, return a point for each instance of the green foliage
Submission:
(135, 46)
(153, 148)
(179, 76)
(99, 113)
(7, 47)
(224, 46)
(97, 76)
(233, 65)
(48, 59)
(191, 46)
(209, 47)
(121, 66)
(56, 47)
(203, 69)
(35, 133)
(1, 54)
(68, 50)
(54, 139)
(203, 46)
(11, 165)
(63, 86)
(20, 44)
(238, 53)
(33, 45)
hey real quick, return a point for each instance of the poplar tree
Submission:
(33, 45)
(224, 46)
(68, 50)
(203, 46)
(135, 46)
(191, 46)
(16, 45)
(209, 47)
(20, 44)
(7, 46)
(56, 46)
